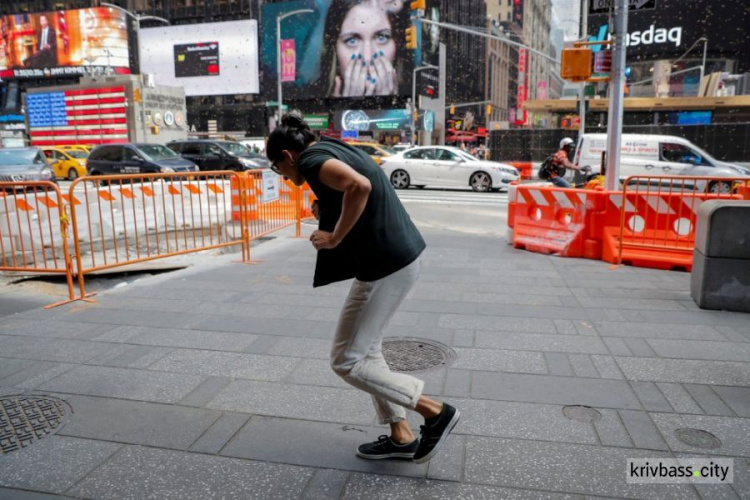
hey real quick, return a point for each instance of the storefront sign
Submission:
(317, 122)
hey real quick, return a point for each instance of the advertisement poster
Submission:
(270, 187)
(344, 49)
(522, 94)
(288, 61)
(66, 42)
(204, 59)
(364, 120)
(196, 59)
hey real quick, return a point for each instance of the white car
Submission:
(446, 166)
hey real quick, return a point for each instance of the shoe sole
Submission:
(442, 440)
(408, 456)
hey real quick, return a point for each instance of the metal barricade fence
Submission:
(120, 220)
(34, 231)
(658, 216)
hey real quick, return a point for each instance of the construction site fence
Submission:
(116, 221)
(650, 222)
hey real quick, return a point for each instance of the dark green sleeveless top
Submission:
(384, 239)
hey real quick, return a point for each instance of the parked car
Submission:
(66, 163)
(446, 166)
(652, 155)
(114, 159)
(24, 164)
(376, 151)
(219, 155)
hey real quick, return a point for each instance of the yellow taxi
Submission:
(82, 147)
(375, 150)
(67, 163)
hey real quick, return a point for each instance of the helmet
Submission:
(566, 142)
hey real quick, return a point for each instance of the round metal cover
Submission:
(581, 413)
(26, 419)
(698, 438)
(412, 355)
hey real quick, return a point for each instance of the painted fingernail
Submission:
(374, 81)
(353, 57)
(359, 56)
(381, 53)
(375, 56)
(364, 64)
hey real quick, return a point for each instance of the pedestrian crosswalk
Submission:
(441, 197)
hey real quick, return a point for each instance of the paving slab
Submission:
(300, 442)
(574, 469)
(46, 328)
(737, 398)
(170, 337)
(124, 383)
(734, 433)
(226, 364)
(686, 371)
(658, 331)
(556, 390)
(679, 398)
(326, 484)
(708, 400)
(140, 473)
(696, 349)
(41, 467)
(159, 425)
(63, 350)
(540, 342)
(500, 360)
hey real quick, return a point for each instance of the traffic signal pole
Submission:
(617, 95)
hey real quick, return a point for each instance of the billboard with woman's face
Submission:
(70, 42)
(345, 48)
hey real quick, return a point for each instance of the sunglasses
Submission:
(275, 169)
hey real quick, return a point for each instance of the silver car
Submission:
(446, 166)
(24, 164)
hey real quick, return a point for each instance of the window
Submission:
(175, 146)
(129, 155)
(213, 149)
(445, 155)
(367, 149)
(679, 154)
(109, 153)
(192, 148)
(420, 154)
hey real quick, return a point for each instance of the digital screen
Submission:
(371, 120)
(691, 118)
(344, 49)
(196, 59)
(204, 59)
(82, 116)
(70, 42)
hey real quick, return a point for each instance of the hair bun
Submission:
(294, 121)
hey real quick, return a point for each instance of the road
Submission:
(458, 210)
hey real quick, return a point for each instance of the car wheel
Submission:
(72, 174)
(480, 182)
(720, 187)
(400, 179)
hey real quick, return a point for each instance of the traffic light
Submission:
(576, 64)
(453, 109)
(411, 37)
(489, 109)
(430, 90)
(418, 5)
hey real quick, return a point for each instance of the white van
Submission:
(650, 155)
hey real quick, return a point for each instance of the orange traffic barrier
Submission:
(244, 198)
(658, 218)
(525, 169)
(34, 231)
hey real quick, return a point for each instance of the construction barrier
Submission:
(658, 218)
(34, 231)
(525, 168)
(650, 223)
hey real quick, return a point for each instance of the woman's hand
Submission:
(383, 76)
(315, 209)
(323, 240)
(354, 80)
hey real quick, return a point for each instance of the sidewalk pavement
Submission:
(213, 382)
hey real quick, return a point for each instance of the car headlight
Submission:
(167, 170)
(46, 174)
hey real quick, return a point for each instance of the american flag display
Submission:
(88, 116)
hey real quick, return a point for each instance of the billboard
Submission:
(205, 59)
(344, 48)
(372, 120)
(68, 42)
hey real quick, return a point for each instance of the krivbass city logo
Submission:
(679, 470)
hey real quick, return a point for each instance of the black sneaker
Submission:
(434, 436)
(385, 447)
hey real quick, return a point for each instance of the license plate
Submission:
(131, 170)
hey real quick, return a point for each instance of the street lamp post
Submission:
(414, 99)
(138, 18)
(280, 18)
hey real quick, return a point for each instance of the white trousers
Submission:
(356, 355)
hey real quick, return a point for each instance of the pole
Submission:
(278, 68)
(617, 95)
(583, 35)
(703, 63)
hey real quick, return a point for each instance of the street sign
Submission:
(603, 6)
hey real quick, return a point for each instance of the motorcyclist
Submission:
(560, 162)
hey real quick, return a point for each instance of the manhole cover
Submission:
(412, 355)
(26, 419)
(698, 438)
(581, 413)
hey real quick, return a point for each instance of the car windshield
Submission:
(14, 157)
(388, 150)
(77, 154)
(466, 156)
(235, 148)
(157, 151)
